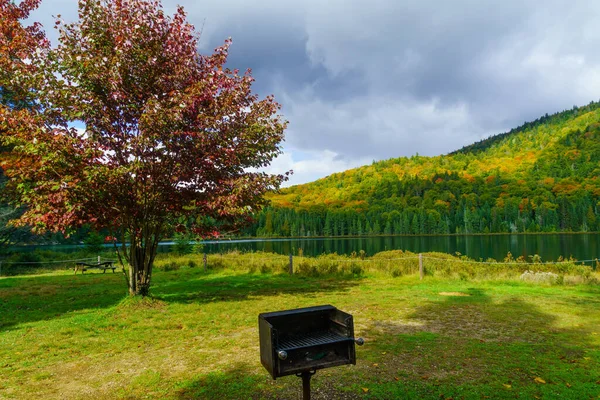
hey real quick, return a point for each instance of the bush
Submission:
(183, 244)
(169, 266)
(94, 242)
(541, 277)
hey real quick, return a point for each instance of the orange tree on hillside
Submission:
(169, 134)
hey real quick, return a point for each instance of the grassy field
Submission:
(453, 335)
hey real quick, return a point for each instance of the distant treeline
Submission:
(541, 177)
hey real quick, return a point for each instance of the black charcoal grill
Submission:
(301, 341)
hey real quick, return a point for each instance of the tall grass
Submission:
(395, 263)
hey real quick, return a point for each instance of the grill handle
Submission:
(359, 341)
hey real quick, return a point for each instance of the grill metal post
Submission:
(306, 375)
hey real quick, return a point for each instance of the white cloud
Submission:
(312, 166)
(372, 80)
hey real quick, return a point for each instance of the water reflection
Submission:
(549, 247)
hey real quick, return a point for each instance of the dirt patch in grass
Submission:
(7, 293)
(145, 303)
(454, 294)
(465, 321)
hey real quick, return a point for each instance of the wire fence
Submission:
(50, 263)
(514, 262)
(397, 264)
(425, 257)
(47, 262)
(410, 262)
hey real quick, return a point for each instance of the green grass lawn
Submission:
(79, 337)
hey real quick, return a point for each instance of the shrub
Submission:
(94, 242)
(183, 244)
(541, 277)
(215, 263)
(264, 269)
(170, 266)
(356, 269)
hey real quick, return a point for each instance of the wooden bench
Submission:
(82, 266)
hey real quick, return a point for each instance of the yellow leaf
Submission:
(384, 352)
(539, 380)
(365, 390)
(568, 384)
(506, 385)
(375, 365)
(586, 358)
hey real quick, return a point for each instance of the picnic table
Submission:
(83, 266)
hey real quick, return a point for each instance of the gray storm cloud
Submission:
(371, 80)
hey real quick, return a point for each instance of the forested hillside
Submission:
(540, 177)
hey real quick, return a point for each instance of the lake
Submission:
(584, 246)
(549, 246)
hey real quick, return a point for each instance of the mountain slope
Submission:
(542, 176)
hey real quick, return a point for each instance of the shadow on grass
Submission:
(235, 383)
(37, 298)
(238, 383)
(33, 298)
(472, 347)
(210, 288)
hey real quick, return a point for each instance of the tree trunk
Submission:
(140, 256)
(140, 272)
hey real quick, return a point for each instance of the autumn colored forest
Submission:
(540, 177)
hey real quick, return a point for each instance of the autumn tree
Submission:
(167, 133)
(17, 44)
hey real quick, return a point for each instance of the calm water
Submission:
(549, 247)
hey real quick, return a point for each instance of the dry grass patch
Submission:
(456, 294)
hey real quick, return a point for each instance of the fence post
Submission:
(0, 268)
(291, 266)
(98, 259)
(421, 266)
(205, 260)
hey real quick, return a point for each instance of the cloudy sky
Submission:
(370, 80)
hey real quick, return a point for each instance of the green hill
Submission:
(541, 176)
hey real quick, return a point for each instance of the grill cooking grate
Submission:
(311, 339)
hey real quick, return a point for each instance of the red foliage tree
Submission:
(17, 45)
(168, 133)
